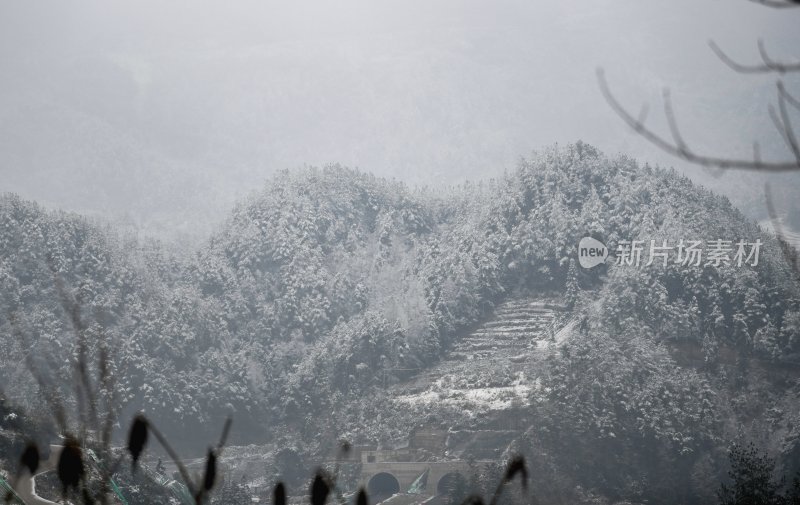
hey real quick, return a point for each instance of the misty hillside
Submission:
(111, 110)
(310, 310)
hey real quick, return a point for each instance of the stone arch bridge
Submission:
(385, 478)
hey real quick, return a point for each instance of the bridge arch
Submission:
(383, 484)
(451, 483)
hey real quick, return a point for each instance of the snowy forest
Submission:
(417, 252)
(304, 314)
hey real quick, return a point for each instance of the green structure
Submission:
(178, 490)
(420, 483)
(9, 494)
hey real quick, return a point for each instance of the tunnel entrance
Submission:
(382, 485)
(452, 484)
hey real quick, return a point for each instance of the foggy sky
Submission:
(161, 116)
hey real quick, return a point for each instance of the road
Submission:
(26, 486)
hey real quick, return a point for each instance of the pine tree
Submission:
(752, 476)
(793, 495)
(766, 340)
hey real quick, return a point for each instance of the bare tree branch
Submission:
(174, 457)
(791, 100)
(84, 390)
(50, 394)
(784, 125)
(777, 4)
(767, 63)
(790, 254)
(673, 124)
(678, 146)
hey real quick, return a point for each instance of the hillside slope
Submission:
(309, 313)
(485, 370)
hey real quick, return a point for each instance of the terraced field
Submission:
(486, 369)
(517, 325)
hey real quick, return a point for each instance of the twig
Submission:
(768, 64)
(777, 4)
(794, 102)
(55, 404)
(516, 466)
(673, 124)
(226, 429)
(73, 309)
(678, 147)
(784, 126)
(174, 457)
(790, 254)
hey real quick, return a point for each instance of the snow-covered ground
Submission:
(487, 369)
(491, 398)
